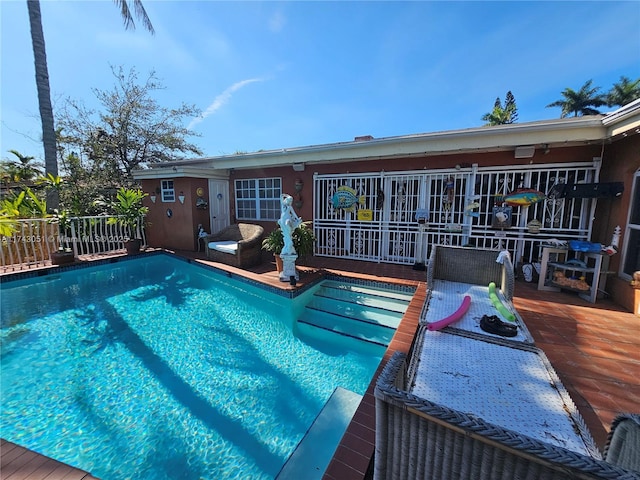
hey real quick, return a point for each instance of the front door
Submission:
(218, 204)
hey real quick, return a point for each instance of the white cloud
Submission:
(277, 22)
(221, 100)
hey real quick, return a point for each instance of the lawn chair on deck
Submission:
(470, 265)
(453, 273)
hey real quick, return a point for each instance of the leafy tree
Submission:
(623, 92)
(502, 114)
(130, 132)
(42, 78)
(583, 102)
(87, 189)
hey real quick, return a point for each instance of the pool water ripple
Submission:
(156, 369)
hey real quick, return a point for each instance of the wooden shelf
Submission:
(575, 268)
(554, 259)
(567, 287)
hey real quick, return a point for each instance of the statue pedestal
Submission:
(288, 268)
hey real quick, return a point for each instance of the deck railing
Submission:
(35, 239)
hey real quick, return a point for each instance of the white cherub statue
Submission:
(288, 222)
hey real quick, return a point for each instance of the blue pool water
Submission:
(158, 369)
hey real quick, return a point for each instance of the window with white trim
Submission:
(168, 193)
(631, 247)
(258, 198)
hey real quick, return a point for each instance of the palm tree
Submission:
(583, 102)
(623, 92)
(44, 94)
(23, 168)
(42, 79)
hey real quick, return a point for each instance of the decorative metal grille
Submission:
(458, 209)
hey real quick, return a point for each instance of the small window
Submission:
(631, 247)
(258, 199)
(168, 193)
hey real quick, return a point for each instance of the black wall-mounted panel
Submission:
(594, 190)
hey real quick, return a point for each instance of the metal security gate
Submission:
(373, 216)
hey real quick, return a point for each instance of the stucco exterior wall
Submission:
(177, 232)
(620, 161)
(289, 176)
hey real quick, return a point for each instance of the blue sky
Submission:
(271, 75)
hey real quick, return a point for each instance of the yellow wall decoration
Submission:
(365, 215)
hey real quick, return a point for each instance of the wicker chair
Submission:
(623, 445)
(418, 439)
(239, 245)
(470, 265)
(456, 272)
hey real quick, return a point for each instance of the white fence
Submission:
(458, 208)
(35, 239)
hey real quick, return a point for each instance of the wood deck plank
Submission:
(19, 463)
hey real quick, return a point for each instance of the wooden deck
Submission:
(18, 463)
(594, 348)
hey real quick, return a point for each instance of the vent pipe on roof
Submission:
(363, 138)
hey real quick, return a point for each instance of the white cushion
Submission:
(225, 246)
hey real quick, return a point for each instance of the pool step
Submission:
(355, 311)
(333, 343)
(348, 314)
(378, 334)
(389, 300)
(311, 457)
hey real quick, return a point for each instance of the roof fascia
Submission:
(476, 140)
(179, 171)
(623, 120)
(563, 132)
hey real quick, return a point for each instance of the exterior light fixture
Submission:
(525, 152)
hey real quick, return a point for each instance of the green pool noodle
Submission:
(504, 311)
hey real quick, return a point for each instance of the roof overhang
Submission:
(174, 170)
(565, 132)
(624, 121)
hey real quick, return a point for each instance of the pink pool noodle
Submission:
(464, 306)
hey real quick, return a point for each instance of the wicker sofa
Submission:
(239, 245)
(418, 439)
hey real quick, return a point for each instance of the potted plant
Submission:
(130, 214)
(303, 240)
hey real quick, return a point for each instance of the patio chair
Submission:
(470, 265)
(419, 439)
(623, 444)
(454, 273)
(239, 245)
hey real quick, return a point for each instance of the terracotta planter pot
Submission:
(279, 265)
(62, 258)
(133, 246)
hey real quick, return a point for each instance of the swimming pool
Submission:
(156, 368)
